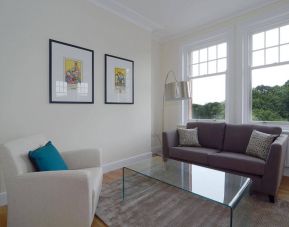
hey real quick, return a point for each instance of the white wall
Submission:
(25, 28)
(156, 96)
(171, 56)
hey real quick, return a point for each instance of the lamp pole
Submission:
(163, 110)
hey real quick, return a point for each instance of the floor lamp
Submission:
(174, 91)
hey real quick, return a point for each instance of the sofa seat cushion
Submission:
(237, 162)
(198, 155)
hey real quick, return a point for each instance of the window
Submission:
(207, 68)
(269, 70)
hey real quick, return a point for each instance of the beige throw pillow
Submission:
(188, 137)
(259, 144)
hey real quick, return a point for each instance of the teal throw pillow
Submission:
(47, 158)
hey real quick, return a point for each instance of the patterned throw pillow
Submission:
(259, 144)
(188, 137)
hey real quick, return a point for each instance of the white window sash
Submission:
(187, 54)
(248, 68)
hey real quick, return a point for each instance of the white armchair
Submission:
(53, 198)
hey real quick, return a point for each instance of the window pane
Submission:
(284, 34)
(208, 104)
(258, 41)
(222, 65)
(284, 53)
(196, 70)
(272, 37)
(270, 94)
(204, 55)
(195, 57)
(203, 68)
(258, 58)
(212, 67)
(222, 50)
(271, 55)
(212, 52)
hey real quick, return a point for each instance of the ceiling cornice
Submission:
(190, 30)
(127, 14)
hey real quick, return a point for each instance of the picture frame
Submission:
(71, 73)
(119, 80)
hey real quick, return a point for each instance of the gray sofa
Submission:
(223, 147)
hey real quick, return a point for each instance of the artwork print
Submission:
(120, 79)
(73, 72)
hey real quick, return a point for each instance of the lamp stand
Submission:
(163, 110)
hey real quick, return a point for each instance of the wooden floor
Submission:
(114, 175)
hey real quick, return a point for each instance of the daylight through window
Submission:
(207, 69)
(270, 75)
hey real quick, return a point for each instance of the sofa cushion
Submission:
(237, 136)
(210, 135)
(192, 154)
(259, 144)
(237, 162)
(188, 137)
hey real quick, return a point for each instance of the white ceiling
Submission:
(166, 18)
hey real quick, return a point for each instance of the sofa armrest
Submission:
(275, 165)
(81, 159)
(52, 198)
(170, 139)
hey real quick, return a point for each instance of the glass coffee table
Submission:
(225, 189)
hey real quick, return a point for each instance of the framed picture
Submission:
(70, 73)
(119, 80)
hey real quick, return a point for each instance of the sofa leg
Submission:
(272, 199)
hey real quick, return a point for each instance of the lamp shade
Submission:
(177, 90)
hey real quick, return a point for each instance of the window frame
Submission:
(214, 39)
(247, 51)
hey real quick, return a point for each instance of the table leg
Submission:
(123, 183)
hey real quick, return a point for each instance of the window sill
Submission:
(283, 125)
(206, 120)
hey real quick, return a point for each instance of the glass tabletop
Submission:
(219, 186)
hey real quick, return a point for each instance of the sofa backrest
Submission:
(211, 135)
(237, 136)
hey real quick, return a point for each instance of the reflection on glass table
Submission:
(223, 188)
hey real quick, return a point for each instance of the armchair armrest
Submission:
(80, 159)
(275, 165)
(170, 139)
(53, 198)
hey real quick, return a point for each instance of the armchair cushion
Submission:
(47, 158)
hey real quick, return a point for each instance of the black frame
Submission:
(105, 72)
(50, 73)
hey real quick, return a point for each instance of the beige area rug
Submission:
(150, 203)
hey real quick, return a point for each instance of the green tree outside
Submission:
(268, 104)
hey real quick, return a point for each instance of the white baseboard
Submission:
(157, 150)
(3, 199)
(123, 162)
